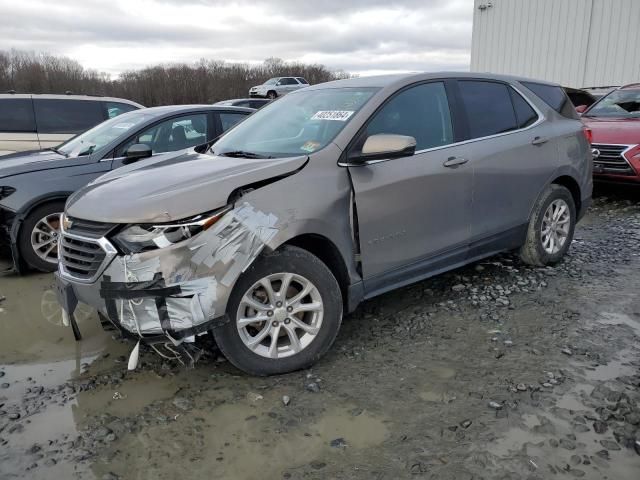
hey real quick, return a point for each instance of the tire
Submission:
(272, 95)
(27, 251)
(535, 250)
(233, 338)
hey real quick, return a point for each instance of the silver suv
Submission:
(278, 86)
(34, 122)
(330, 196)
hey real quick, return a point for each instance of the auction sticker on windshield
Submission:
(339, 115)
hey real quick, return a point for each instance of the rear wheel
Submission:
(551, 227)
(39, 236)
(285, 312)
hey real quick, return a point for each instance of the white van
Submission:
(34, 122)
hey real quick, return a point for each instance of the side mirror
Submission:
(581, 109)
(385, 146)
(136, 152)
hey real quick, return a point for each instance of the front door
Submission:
(413, 212)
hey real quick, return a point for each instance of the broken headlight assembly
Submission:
(138, 238)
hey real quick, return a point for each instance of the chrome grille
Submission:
(611, 159)
(83, 252)
(81, 258)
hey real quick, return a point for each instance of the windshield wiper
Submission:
(243, 154)
(56, 150)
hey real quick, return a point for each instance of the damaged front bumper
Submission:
(167, 294)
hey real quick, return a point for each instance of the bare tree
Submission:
(205, 81)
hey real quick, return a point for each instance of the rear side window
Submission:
(67, 116)
(228, 120)
(421, 112)
(16, 115)
(488, 106)
(525, 115)
(116, 108)
(554, 96)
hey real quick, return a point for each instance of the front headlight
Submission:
(144, 237)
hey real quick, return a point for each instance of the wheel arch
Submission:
(573, 186)
(328, 252)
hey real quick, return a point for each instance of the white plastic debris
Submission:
(65, 318)
(133, 358)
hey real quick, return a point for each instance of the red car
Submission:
(614, 121)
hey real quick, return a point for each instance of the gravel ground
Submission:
(497, 370)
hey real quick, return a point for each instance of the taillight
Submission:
(588, 134)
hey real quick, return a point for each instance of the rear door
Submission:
(17, 125)
(413, 212)
(513, 155)
(60, 119)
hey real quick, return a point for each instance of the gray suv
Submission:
(332, 195)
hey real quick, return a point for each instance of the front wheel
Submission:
(271, 95)
(39, 236)
(285, 312)
(551, 227)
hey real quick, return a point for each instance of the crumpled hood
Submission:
(173, 187)
(33, 161)
(612, 130)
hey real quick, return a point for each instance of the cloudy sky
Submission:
(359, 36)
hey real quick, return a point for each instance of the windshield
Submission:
(96, 138)
(296, 124)
(271, 81)
(619, 103)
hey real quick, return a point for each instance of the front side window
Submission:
(228, 120)
(288, 81)
(116, 108)
(16, 115)
(100, 135)
(66, 116)
(488, 107)
(421, 112)
(171, 135)
(302, 122)
(619, 103)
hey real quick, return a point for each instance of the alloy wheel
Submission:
(44, 238)
(556, 223)
(280, 315)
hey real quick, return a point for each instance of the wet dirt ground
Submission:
(496, 370)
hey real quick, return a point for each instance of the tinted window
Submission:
(488, 106)
(288, 81)
(67, 116)
(302, 80)
(421, 112)
(171, 135)
(257, 104)
(228, 120)
(116, 108)
(16, 115)
(525, 114)
(554, 96)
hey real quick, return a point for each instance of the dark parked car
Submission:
(256, 103)
(329, 196)
(35, 185)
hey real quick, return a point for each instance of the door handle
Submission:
(539, 141)
(453, 162)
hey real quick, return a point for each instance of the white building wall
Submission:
(577, 43)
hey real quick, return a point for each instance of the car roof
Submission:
(630, 86)
(400, 79)
(172, 109)
(233, 100)
(51, 96)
